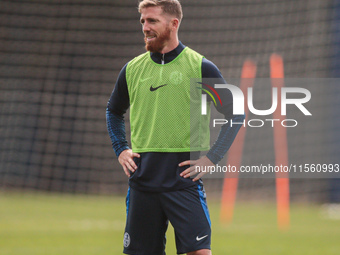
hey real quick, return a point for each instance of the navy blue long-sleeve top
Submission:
(159, 171)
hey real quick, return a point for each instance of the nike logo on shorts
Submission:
(200, 238)
(153, 89)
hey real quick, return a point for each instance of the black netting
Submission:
(60, 59)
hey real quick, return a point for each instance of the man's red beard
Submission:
(158, 43)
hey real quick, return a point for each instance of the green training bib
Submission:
(165, 108)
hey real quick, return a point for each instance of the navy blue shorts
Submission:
(148, 214)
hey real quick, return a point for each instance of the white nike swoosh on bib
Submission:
(200, 238)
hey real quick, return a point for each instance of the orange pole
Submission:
(235, 152)
(280, 147)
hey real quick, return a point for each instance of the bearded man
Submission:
(162, 182)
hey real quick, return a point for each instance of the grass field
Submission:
(52, 224)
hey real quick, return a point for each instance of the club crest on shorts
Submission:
(126, 239)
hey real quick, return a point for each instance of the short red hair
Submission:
(171, 7)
